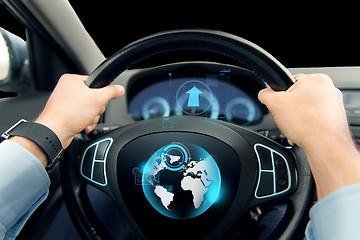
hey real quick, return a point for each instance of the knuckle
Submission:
(339, 93)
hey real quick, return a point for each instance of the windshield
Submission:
(294, 37)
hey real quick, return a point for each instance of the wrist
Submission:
(55, 128)
(38, 139)
(33, 148)
(334, 164)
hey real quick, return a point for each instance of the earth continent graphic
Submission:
(181, 181)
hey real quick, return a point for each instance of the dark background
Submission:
(298, 35)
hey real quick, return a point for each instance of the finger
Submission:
(89, 129)
(291, 143)
(73, 77)
(92, 125)
(95, 120)
(265, 95)
(102, 109)
(83, 78)
(112, 91)
(299, 76)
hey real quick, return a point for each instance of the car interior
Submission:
(191, 76)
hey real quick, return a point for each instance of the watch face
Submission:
(173, 181)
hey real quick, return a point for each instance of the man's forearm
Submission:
(334, 165)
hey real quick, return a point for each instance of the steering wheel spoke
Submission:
(93, 160)
(277, 169)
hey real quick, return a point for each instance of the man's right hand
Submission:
(311, 114)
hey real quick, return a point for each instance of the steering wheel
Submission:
(170, 175)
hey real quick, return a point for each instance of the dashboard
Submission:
(216, 91)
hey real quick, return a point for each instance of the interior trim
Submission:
(60, 20)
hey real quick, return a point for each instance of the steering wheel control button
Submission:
(266, 186)
(274, 172)
(87, 162)
(98, 173)
(94, 160)
(264, 156)
(102, 147)
(281, 173)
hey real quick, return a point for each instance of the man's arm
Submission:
(71, 108)
(24, 186)
(311, 114)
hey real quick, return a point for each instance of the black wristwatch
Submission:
(43, 136)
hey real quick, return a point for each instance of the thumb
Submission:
(112, 91)
(266, 95)
(273, 100)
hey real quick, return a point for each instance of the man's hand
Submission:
(73, 107)
(311, 114)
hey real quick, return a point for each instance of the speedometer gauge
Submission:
(241, 110)
(156, 107)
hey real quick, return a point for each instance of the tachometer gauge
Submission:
(155, 107)
(240, 110)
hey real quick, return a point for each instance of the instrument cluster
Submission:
(224, 93)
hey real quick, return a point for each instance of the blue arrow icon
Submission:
(194, 97)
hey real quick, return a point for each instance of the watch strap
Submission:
(41, 135)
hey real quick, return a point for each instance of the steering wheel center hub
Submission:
(181, 181)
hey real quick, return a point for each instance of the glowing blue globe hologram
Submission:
(181, 181)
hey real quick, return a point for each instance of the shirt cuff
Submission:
(336, 216)
(24, 185)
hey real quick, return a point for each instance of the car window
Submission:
(14, 69)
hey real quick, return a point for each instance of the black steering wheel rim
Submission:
(247, 53)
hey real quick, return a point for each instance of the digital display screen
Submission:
(178, 179)
(212, 95)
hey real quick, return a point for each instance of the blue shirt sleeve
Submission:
(336, 216)
(24, 186)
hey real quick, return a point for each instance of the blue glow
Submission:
(179, 153)
(185, 188)
(189, 92)
(103, 181)
(194, 97)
